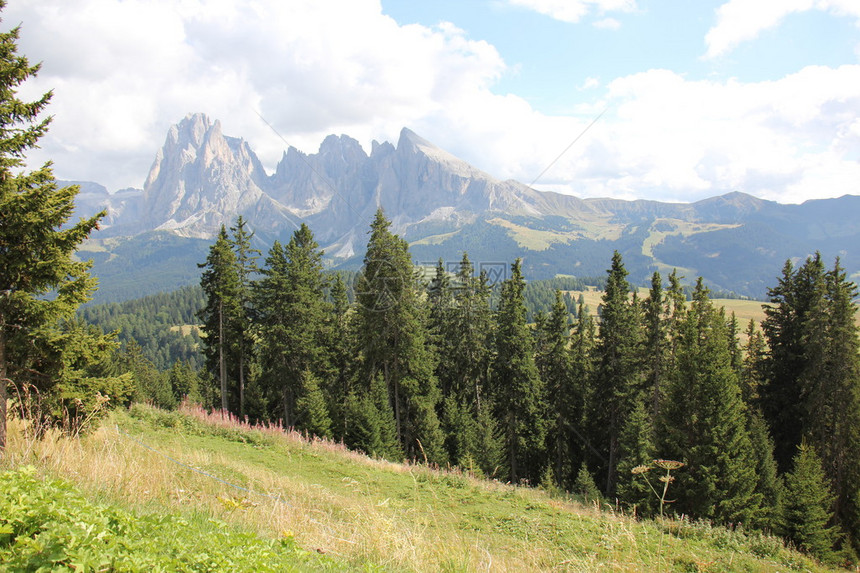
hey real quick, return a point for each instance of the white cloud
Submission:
(668, 137)
(740, 21)
(125, 70)
(574, 10)
(590, 83)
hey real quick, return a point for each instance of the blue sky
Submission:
(700, 98)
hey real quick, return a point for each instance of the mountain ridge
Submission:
(201, 179)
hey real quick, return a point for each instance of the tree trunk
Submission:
(222, 364)
(242, 379)
(512, 445)
(396, 401)
(2, 390)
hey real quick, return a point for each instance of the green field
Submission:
(191, 491)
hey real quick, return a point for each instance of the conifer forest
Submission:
(743, 425)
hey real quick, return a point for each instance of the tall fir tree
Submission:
(221, 287)
(704, 422)
(636, 448)
(618, 374)
(554, 366)
(246, 267)
(342, 347)
(581, 387)
(393, 341)
(517, 387)
(831, 389)
(808, 508)
(655, 345)
(812, 390)
(798, 295)
(41, 283)
(293, 319)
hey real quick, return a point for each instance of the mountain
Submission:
(201, 179)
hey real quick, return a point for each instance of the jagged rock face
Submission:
(198, 177)
(201, 179)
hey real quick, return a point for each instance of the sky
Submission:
(634, 99)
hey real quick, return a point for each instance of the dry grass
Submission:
(366, 513)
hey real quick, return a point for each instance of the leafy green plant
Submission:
(47, 525)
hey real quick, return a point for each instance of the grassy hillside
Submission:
(226, 494)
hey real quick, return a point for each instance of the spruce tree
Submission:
(636, 448)
(246, 267)
(655, 345)
(293, 319)
(554, 366)
(341, 349)
(832, 394)
(393, 341)
(581, 387)
(798, 296)
(517, 387)
(41, 284)
(812, 389)
(808, 507)
(618, 374)
(769, 485)
(371, 425)
(704, 422)
(221, 287)
(311, 408)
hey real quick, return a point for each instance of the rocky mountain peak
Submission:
(200, 179)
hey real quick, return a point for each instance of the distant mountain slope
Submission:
(201, 179)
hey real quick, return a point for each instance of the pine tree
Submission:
(554, 366)
(246, 266)
(151, 385)
(704, 422)
(392, 326)
(655, 345)
(293, 318)
(185, 383)
(311, 408)
(517, 387)
(582, 390)
(585, 486)
(769, 485)
(371, 426)
(831, 389)
(753, 372)
(636, 448)
(618, 372)
(341, 349)
(798, 296)
(472, 333)
(812, 390)
(808, 506)
(221, 287)
(41, 284)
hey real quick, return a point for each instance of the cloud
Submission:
(574, 10)
(740, 21)
(124, 71)
(668, 137)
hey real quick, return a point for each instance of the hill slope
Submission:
(367, 514)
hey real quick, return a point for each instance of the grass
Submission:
(319, 506)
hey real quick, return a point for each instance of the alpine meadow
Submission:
(291, 409)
